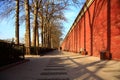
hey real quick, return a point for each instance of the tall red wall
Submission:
(97, 30)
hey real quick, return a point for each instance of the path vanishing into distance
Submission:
(63, 66)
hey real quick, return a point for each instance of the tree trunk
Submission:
(37, 37)
(17, 23)
(27, 34)
(49, 35)
(37, 41)
(35, 25)
(42, 37)
(42, 33)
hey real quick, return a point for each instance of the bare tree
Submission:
(50, 11)
(56, 33)
(7, 10)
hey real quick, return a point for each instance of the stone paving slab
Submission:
(13, 64)
(82, 67)
(65, 66)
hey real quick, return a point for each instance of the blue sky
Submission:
(7, 26)
(71, 16)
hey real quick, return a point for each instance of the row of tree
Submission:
(43, 16)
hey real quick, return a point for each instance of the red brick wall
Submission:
(97, 30)
(115, 29)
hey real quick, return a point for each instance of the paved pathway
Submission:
(66, 66)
